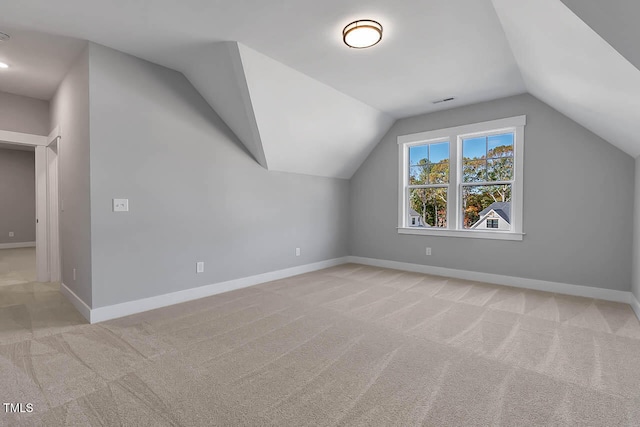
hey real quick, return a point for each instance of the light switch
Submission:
(121, 205)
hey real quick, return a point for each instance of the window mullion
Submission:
(454, 179)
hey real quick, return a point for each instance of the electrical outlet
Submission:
(121, 205)
(428, 251)
(11, 234)
(199, 267)
(297, 251)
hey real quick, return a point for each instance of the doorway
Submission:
(17, 214)
(47, 237)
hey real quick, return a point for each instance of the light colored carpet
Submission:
(349, 346)
(17, 266)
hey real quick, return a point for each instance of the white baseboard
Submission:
(635, 305)
(100, 314)
(17, 245)
(518, 282)
(80, 305)
(115, 311)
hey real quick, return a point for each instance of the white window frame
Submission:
(454, 136)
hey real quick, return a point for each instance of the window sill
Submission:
(494, 235)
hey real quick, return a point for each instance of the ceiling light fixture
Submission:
(362, 34)
(3, 65)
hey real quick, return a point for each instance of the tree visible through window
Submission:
(487, 174)
(466, 179)
(428, 183)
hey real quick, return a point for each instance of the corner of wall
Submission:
(635, 281)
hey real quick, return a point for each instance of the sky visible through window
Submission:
(434, 153)
(485, 161)
(476, 148)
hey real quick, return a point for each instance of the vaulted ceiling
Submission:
(301, 101)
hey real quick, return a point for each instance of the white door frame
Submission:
(48, 259)
(53, 207)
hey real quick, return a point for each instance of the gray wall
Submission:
(635, 285)
(23, 114)
(17, 196)
(577, 205)
(17, 168)
(194, 193)
(70, 110)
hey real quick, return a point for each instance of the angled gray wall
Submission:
(194, 192)
(24, 114)
(70, 111)
(635, 286)
(577, 205)
(17, 196)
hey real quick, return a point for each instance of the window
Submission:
(428, 183)
(461, 181)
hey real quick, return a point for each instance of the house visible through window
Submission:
(466, 179)
(428, 183)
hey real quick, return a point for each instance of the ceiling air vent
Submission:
(4, 37)
(439, 101)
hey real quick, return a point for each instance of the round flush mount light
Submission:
(362, 34)
(3, 65)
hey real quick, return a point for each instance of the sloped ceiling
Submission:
(281, 78)
(566, 64)
(616, 21)
(306, 126)
(216, 71)
(293, 93)
(281, 115)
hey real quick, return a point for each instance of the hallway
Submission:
(17, 266)
(29, 309)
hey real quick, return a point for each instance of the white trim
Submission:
(55, 134)
(42, 215)
(455, 136)
(53, 212)
(476, 234)
(22, 138)
(80, 305)
(635, 304)
(100, 314)
(517, 282)
(17, 245)
(464, 130)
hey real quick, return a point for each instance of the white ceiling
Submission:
(474, 50)
(37, 61)
(614, 20)
(430, 50)
(570, 67)
(306, 126)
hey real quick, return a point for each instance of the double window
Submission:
(462, 181)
